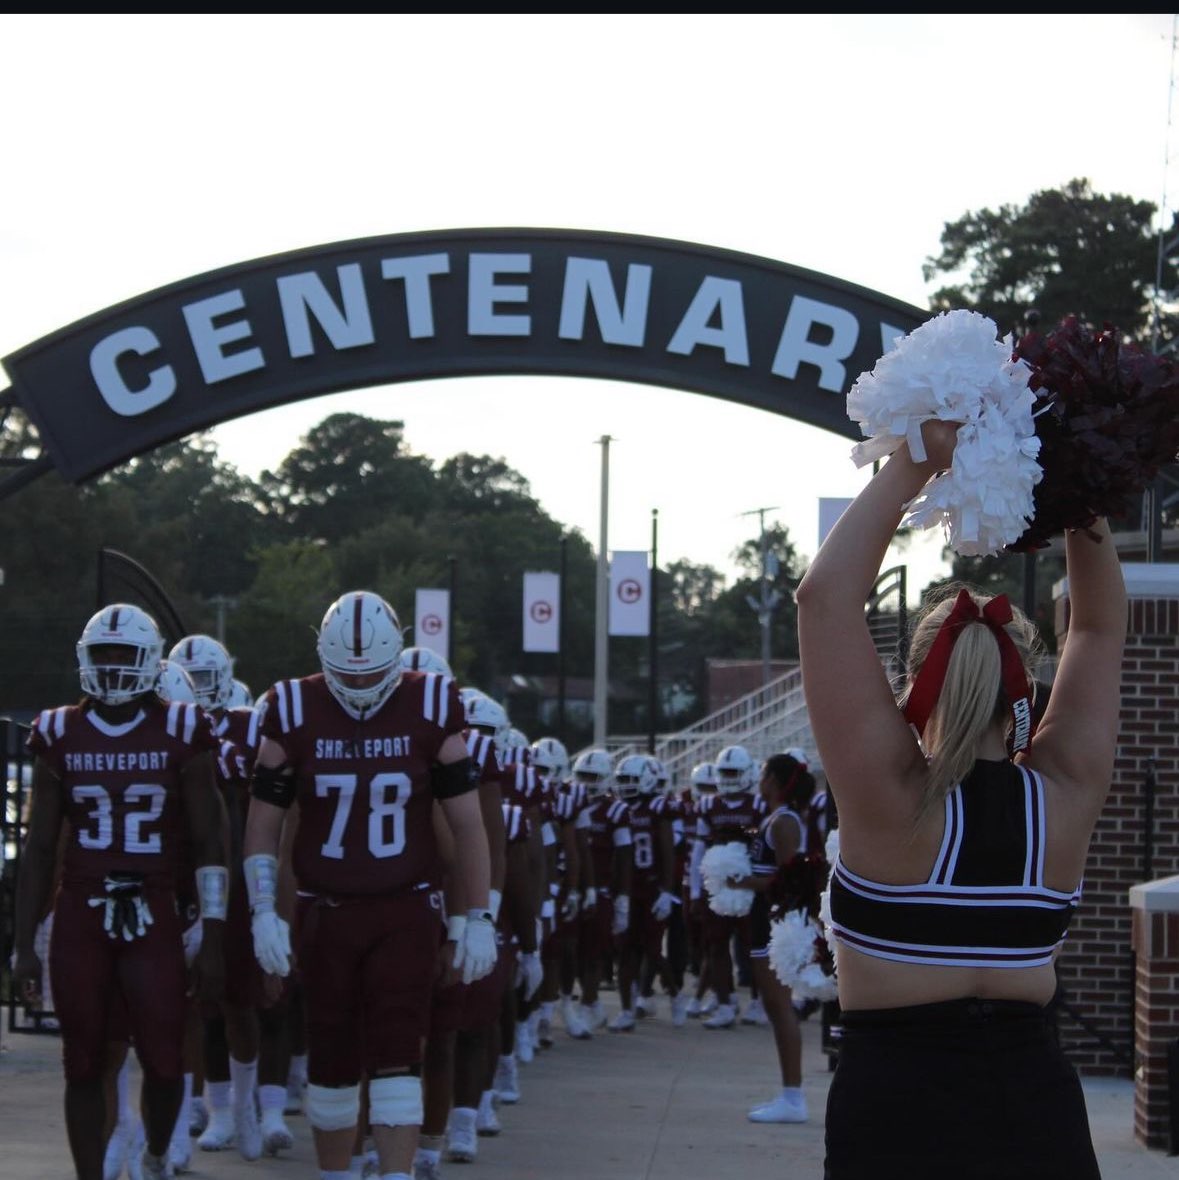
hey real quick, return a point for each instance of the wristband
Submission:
(212, 884)
(455, 925)
(494, 901)
(261, 873)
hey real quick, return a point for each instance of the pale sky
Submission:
(142, 150)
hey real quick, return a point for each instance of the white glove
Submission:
(476, 951)
(548, 910)
(621, 914)
(530, 972)
(272, 942)
(192, 941)
(571, 905)
(662, 907)
(590, 900)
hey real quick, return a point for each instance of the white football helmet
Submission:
(551, 759)
(360, 651)
(175, 684)
(635, 775)
(240, 696)
(424, 659)
(703, 778)
(734, 770)
(489, 717)
(209, 665)
(116, 676)
(516, 739)
(593, 769)
(662, 774)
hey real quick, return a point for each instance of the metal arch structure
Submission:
(464, 302)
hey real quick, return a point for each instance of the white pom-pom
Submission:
(954, 368)
(718, 865)
(792, 957)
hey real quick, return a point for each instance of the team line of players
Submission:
(368, 875)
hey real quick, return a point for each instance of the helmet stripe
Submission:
(114, 618)
(357, 604)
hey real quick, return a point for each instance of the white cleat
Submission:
(594, 1015)
(755, 1013)
(154, 1167)
(725, 1016)
(118, 1148)
(425, 1168)
(645, 1006)
(782, 1109)
(506, 1085)
(694, 1008)
(623, 1022)
(708, 1005)
(524, 1049)
(247, 1132)
(679, 1011)
(180, 1150)
(294, 1102)
(486, 1120)
(574, 1020)
(218, 1135)
(462, 1141)
(200, 1117)
(276, 1135)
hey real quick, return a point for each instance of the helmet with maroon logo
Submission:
(734, 770)
(593, 769)
(119, 654)
(635, 775)
(360, 651)
(424, 659)
(551, 759)
(209, 665)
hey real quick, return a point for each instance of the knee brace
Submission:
(333, 1108)
(396, 1101)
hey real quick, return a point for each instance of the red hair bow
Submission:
(927, 687)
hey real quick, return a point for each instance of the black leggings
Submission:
(963, 1089)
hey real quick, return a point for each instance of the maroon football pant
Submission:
(96, 977)
(367, 965)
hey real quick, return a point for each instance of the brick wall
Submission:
(1156, 1022)
(1097, 967)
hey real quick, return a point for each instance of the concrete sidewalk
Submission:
(656, 1104)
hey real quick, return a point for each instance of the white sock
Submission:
(357, 1166)
(245, 1081)
(123, 1086)
(297, 1073)
(546, 1010)
(185, 1116)
(272, 1098)
(792, 1092)
(217, 1094)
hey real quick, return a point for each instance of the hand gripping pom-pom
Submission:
(953, 368)
(795, 953)
(718, 865)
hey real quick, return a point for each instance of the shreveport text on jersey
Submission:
(123, 760)
(389, 747)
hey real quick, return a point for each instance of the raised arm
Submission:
(1077, 738)
(862, 738)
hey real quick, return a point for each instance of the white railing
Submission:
(766, 721)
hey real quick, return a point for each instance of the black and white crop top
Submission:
(985, 903)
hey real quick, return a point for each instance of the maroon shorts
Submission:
(468, 1007)
(367, 968)
(645, 932)
(110, 989)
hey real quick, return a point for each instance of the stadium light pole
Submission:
(601, 663)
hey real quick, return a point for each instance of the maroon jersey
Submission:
(364, 787)
(609, 828)
(722, 819)
(121, 786)
(522, 785)
(242, 727)
(647, 813)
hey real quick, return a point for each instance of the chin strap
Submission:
(927, 687)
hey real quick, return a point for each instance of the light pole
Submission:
(765, 605)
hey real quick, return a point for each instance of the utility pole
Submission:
(767, 603)
(602, 612)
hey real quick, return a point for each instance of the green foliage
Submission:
(1067, 251)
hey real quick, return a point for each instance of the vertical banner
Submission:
(830, 510)
(431, 621)
(630, 593)
(542, 612)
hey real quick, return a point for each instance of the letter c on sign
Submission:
(104, 368)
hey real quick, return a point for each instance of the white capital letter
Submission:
(104, 368)
(715, 296)
(483, 294)
(304, 295)
(794, 347)
(589, 278)
(209, 342)
(416, 272)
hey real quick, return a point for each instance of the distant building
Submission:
(728, 680)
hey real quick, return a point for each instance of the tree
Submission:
(1068, 251)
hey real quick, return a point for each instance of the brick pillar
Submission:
(1155, 909)
(1097, 965)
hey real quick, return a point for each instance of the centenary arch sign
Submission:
(406, 307)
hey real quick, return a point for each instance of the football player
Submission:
(132, 780)
(364, 748)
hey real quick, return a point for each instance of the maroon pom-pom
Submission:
(1107, 417)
